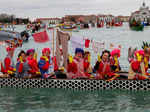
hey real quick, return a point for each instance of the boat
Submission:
(8, 35)
(137, 28)
(76, 84)
(136, 25)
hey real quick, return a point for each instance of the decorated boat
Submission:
(136, 25)
(137, 28)
(76, 84)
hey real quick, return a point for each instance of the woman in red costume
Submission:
(137, 67)
(76, 65)
(114, 62)
(9, 67)
(104, 68)
(32, 62)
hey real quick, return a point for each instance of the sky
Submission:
(58, 8)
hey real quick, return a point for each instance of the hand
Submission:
(38, 73)
(70, 59)
(14, 70)
(21, 60)
(35, 56)
(46, 59)
(10, 72)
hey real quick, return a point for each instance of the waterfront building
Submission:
(49, 20)
(143, 14)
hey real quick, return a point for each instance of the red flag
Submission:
(87, 42)
(41, 37)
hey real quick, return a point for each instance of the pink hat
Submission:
(45, 50)
(30, 51)
(140, 52)
(115, 51)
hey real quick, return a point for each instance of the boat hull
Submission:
(78, 84)
(138, 28)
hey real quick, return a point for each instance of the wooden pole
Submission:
(53, 43)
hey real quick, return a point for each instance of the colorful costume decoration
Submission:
(114, 62)
(45, 64)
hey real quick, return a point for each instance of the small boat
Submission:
(8, 35)
(137, 28)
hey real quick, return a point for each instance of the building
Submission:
(123, 18)
(79, 18)
(143, 14)
(106, 18)
(49, 20)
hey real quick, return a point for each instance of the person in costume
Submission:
(32, 62)
(104, 67)
(137, 67)
(45, 63)
(146, 48)
(76, 65)
(22, 66)
(9, 67)
(114, 62)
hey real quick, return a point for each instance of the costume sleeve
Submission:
(7, 62)
(72, 67)
(46, 66)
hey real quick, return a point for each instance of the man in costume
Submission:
(76, 65)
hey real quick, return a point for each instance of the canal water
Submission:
(59, 100)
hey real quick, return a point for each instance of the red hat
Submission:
(45, 50)
(115, 51)
(10, 49)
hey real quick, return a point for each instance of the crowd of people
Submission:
(107, 66)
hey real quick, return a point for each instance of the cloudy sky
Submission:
(59, 8)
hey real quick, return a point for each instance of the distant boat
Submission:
(137, 28)
(8, 35)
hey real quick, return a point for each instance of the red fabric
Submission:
(33, 65)
(7, 63)
(41, 37)
(86, 64)
(72, 67)
(87, 43)
(20, 67)
(55, 63)
(102, 72)
(136, 66)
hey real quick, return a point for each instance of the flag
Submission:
(77, 42)
(87, 43)
(41, 37)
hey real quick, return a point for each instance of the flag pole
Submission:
(53, 49)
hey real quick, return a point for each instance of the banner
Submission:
(41, 37)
